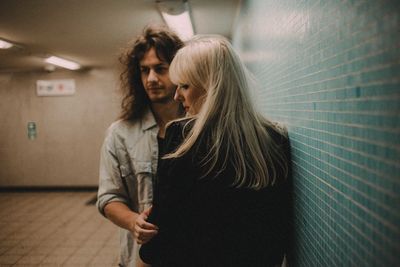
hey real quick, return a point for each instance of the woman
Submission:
(222, 194)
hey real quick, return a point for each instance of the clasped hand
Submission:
(144, 231)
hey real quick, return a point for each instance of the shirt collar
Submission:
(148, 120)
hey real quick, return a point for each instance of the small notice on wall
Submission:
(55, 87)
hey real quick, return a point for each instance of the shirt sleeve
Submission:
(111, 187)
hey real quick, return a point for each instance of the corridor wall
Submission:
(70, 129)
(330, 70)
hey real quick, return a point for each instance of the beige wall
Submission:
(70, 129)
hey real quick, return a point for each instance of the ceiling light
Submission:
(63, 63)
(5, 45)
(177, 16)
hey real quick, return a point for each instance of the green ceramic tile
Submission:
(334, 80)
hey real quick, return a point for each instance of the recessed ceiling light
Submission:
(63, 63)
(5, 45)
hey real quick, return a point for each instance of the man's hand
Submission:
(142, 230)
(120, 214)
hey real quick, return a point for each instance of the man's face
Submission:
(155, 78)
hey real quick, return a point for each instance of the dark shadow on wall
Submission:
(291, 249)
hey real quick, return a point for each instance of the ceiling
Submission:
(91, 32)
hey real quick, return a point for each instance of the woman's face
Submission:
(191, 98)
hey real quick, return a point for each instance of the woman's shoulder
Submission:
(277, 131)
(179, 127)
(176, 131)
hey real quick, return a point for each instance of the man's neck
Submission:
(164, 113)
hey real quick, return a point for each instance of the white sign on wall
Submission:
(55, 87)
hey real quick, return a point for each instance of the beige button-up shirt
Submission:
(128, 165)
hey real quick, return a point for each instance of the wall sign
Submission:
(32, 133)
(55, 87)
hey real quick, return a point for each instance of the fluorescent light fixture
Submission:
(176, 15)
(5, 45)
(63, 63)
(180, 23)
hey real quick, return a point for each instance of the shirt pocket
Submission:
(144, 178)
(129, 183)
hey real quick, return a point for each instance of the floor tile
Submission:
(55, 229)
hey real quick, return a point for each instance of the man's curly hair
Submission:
(166, 43)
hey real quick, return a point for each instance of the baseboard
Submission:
(10, 189)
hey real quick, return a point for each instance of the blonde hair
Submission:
(238, 133)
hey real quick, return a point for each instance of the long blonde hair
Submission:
(238, 133)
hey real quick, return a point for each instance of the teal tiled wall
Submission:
(331, 71)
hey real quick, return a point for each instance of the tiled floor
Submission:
(55, 229)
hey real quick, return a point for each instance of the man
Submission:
(130, 151)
